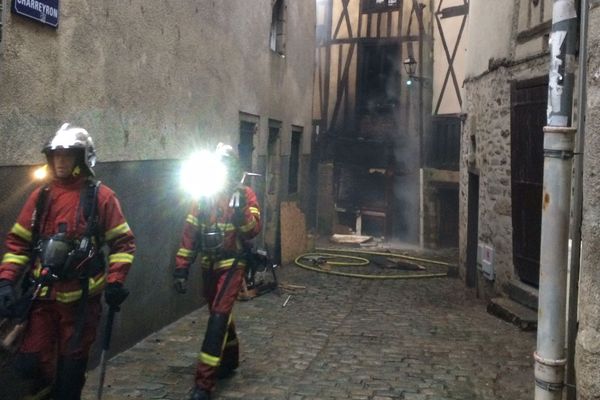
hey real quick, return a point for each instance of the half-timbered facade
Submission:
(440, 173)
(378, 83)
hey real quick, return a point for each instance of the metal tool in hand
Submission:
(110, 319)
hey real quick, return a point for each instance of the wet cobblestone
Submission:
(341, 338)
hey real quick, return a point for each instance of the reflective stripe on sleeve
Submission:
(21, 232)
(249, 226)
(13, 258)
(254, 211)
(182, 252)
(120, 257)
(192, 220)
(116, 231)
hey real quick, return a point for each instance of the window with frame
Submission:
(378, 5)
(295, 151)
(246, 144)
(379, 80)
(321, 28)
(277, 36)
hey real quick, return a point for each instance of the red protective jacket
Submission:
(62, 206)
(203, 214)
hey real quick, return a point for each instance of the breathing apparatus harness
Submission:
(63, 259)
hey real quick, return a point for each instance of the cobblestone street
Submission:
(341, 338)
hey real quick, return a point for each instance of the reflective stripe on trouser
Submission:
(220, 339)
(214, 340)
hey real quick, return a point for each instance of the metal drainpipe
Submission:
(558, 159)
(577, 202)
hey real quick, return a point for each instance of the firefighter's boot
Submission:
(200, 394)
(70, 378)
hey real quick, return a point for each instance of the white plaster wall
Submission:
(451, 29)
(151, 79)
(490, 29)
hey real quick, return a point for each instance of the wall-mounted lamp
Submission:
(410, 65)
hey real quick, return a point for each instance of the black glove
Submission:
(180, 277)
(115, 294)
(7, 298)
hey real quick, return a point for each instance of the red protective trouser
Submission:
(220, 346)
(50, 328)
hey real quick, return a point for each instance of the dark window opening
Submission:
(379, 78)
(1, 18)
(295, 160)
(246, 146)
(448, 217)
(444, 145)
(273, 154)
(277, 36)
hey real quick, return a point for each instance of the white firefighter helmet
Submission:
(229, 158)
(73, 137)
(224, 150)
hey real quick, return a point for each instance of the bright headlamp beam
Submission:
(203, 175)
(40, 173)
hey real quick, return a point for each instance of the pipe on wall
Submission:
(558, 160)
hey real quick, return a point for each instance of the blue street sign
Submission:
(44, 11)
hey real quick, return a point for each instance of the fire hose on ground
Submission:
(314, 260)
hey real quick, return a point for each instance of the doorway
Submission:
(529, 100)
(472, 229)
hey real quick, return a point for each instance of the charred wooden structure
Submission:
(373, 116)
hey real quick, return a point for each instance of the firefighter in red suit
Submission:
(66, 264)
(219, 230)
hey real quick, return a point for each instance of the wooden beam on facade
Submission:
(394, 39)
(455, 11)
(535, 32)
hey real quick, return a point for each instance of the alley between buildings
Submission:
(341, 338)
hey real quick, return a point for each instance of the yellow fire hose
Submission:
(322, 255)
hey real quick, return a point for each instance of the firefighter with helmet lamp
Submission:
(55, 247)
(218, 228)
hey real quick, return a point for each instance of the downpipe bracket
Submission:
(549, 373)
(559, 142)
(560, 154)
(549, 386)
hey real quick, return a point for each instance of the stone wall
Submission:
(487, 106)
(588, 337)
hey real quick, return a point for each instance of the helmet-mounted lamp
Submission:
(203, 174)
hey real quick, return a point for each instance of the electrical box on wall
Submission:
(485, 261)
